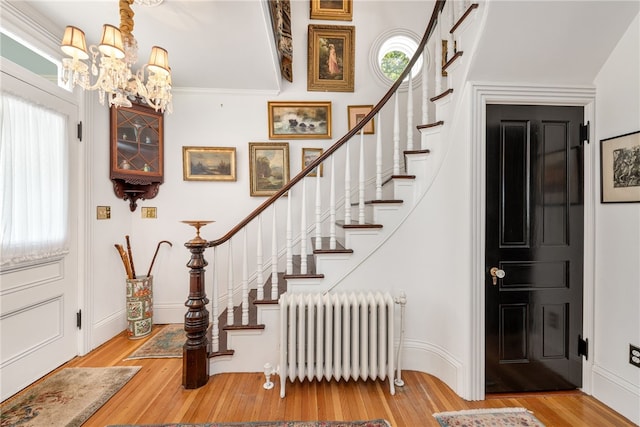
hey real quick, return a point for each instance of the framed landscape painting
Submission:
(336, 10)
(620, 168)
(299, 120)
(268, 167)
(209, 163)
(308, 156)
(331, 58)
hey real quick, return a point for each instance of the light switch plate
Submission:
(103, 212)
(149, 212)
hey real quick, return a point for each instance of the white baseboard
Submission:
(107, 328)
(168, 313)
(617, 393)
(434, 360)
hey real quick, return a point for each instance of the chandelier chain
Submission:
(126, 17)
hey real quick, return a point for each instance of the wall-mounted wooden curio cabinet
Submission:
(137, 161)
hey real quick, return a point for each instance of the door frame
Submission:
(488, 93)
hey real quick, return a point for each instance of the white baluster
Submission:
(425, 88)
(361, 181)
(347, 186)
(259, 262)
(396, 137)
(245, 279)
(379, 157)
(438, 52)
(215, 333)
(303, 229)
(289, 234)
(318, 211)
(332, 206)
(230, 286)
(410, 113)
(274, 256)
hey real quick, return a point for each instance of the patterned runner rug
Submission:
(167, 342)
(67, 398)
(499, 417)
(372, 423)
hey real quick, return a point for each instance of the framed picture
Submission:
(209, 163)
(308, 156)
(337, 10)
(358, 112)
(299, 120)
(268, 167)
(620, 168)
(331, 58)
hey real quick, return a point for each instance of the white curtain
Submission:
(33, 181)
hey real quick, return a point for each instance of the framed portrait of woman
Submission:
(331, 58)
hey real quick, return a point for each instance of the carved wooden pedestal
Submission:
(195, 358)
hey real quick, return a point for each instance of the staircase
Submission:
(316, 239)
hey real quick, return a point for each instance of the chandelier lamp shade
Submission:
(111, 63)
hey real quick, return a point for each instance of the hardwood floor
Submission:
(155, 395)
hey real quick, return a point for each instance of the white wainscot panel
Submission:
(16, 344)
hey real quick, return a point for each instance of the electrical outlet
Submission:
(634, 355)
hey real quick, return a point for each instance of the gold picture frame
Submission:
(308, 156)
(335, 10)
(299, 120)
(268, 167)
(331, 58)
(209, 163)
(356, 113)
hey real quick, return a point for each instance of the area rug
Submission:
(372, 423)
(167, 342)
(67, 398)
(499, 417)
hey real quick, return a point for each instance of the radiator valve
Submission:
(268, 371)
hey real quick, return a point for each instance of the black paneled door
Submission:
(534, 248)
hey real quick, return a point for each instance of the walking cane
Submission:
(155, 254)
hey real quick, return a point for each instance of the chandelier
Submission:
(111, 63)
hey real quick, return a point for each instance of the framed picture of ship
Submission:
(209, 163)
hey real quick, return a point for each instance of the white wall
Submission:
(214, 119)
(617, 298)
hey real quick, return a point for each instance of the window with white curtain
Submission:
(33, 181)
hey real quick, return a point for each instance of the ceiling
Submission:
(558, 42)
(215, 44)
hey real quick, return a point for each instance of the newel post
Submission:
(195, 358)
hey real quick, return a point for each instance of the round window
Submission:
(391, 53)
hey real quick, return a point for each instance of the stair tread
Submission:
(297, 268)
(417, 152)
(464, 16)
(282, 288)
(442, 95)
(355, 225)
(452, 60)
(431, 125)
(403, 177)
(383, 202)
(326, 247)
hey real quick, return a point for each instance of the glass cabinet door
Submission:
(136, 144)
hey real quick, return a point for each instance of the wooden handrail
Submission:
(420, 49)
